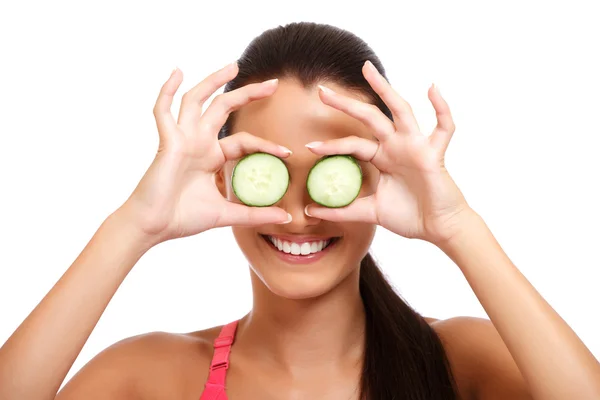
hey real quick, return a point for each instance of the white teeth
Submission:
(294, 248)
(305, 249)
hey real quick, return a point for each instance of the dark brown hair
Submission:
(404, 357)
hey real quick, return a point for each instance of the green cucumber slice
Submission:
(334, 181)
(260, 179)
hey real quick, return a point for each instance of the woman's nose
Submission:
(294, 202)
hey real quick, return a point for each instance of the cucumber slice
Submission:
(334, 181)
(260, 179)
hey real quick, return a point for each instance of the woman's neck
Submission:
(296, 334)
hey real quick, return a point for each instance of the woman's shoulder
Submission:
(459, 339)
(478, 357)
(151, 365)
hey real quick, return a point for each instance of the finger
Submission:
(363, 149)
(369, 114)
(360, 210)
(404, 118)
(234, 214)
(440, 138)
(162, 108)
(193, 100)
(224, 104)
(243, 143)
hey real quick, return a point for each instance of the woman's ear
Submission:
(221, 182)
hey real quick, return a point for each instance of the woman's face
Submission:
(292, 117)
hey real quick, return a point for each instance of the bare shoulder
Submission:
(481, 364)
(153, 365)
(430, 320)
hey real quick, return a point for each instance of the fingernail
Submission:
(270, 82)
(306, 211)
(289, 219)
(312, 145)
(370, 65)
(436, 88)
(285, 150)
(326, 89)
(173, 72)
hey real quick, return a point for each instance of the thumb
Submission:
(360, 210)
(241, 215)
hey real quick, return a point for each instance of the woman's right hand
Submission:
(177, 196)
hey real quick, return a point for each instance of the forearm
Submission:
(37, 357)
(553, 360)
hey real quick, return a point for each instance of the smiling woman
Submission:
(343, 272)
(325, 323)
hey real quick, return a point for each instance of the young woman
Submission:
(324, 325)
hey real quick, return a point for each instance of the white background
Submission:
(78, 82)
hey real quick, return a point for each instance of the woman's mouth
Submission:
(300, 250)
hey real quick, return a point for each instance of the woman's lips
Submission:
(301, 259)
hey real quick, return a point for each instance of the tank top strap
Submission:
(214, 388)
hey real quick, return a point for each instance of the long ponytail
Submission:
(404, 357)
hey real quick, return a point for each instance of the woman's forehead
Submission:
(294, 116)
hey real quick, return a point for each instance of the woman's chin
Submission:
(300, 286)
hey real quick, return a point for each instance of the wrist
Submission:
(463, 226)
(126, 227)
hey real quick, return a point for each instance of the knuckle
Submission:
(159, 112)
(223, 101)
(374, 109)
(243, 136)
(219, 98)
(354, 139)
(368, 111)
(186, 98)
(362, 111)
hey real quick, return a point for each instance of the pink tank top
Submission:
(214, 388)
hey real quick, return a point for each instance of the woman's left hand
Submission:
(415, 195)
